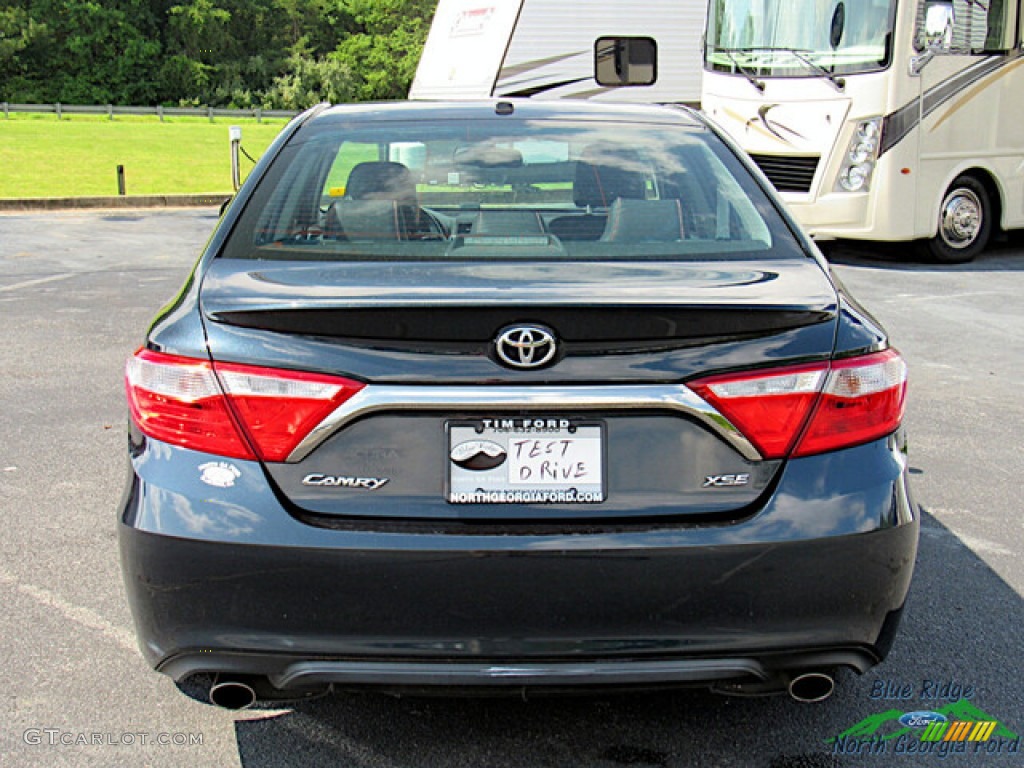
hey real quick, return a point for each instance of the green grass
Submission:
(41, 156)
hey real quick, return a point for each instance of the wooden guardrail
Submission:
(112, 110)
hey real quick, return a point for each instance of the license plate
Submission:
(526, 461)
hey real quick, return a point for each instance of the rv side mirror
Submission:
(938, 27)
(622, 61)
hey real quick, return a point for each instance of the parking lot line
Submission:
(77, 613)
(37, 281)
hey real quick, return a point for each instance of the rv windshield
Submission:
(799, 38)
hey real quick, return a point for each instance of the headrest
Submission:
(488, 156)
(360, 220)
(645, 221)
(380, 180)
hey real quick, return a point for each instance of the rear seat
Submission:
(645, 221)
(597, 184)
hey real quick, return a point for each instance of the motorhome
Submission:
(559, 49)
(878, 119)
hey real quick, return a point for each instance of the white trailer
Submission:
(878, 119)
(618, 51)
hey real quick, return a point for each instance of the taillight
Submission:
(280, 408)
(228, 409)
(864, 399)
(178, 400)
(807, 409)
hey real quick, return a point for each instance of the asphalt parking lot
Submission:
(76, 292)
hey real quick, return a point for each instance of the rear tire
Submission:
(965, 223)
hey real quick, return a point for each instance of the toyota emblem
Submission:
(525, 346)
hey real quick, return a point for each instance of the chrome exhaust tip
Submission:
(811, 687)
(232, 694)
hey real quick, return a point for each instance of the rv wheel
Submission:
(965, 223)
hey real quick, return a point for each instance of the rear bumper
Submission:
(220, 585)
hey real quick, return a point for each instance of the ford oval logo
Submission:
(525, 346)
(921, 719)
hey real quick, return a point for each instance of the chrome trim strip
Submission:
(378, 398)
(453, 673)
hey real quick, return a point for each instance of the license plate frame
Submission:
(526, 460)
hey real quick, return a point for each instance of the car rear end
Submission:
(494, 395)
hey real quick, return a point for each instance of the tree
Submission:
(86, 52)
(385, 48)
(21, 38)
(271, 53)
(310, 80)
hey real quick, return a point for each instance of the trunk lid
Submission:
(421, 336)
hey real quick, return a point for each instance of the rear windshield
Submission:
(505, 190)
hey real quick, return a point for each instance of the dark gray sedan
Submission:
(510, 395)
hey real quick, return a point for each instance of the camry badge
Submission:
(336, 481)
(478, 455)
(525, 346)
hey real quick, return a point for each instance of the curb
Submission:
(121, 201)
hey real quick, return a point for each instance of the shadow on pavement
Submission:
(961, 629)
(1005, 254)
